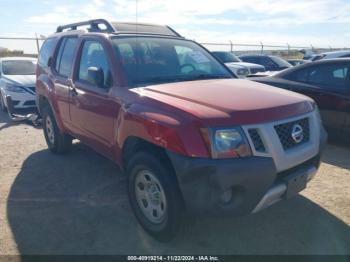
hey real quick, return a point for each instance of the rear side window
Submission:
(46, 51)
(65, 57)
(331, 75)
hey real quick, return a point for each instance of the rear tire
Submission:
(154, 196)
(57, 142)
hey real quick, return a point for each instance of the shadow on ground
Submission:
(77, 204)
(337, 154)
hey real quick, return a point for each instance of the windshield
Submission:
(19, 67)
(280, 62)
(227, 57)
(150, 60)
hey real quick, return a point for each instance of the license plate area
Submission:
(295, 183)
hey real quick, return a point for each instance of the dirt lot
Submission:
(77, 204)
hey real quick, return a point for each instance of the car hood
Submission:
(21, 80)
(229, 101)
(249, 65)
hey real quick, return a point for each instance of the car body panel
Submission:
(25, 99)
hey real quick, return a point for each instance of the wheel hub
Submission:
(150, 196)
(49, 130)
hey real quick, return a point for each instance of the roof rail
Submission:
(121, 28)
(94, 26)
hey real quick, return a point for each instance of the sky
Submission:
(320, 23)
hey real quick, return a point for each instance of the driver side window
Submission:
(93, 55)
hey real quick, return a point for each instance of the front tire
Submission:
(2, 103)
(154, 196)
(57, 142)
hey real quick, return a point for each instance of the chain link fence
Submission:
(30, 46)
(286, 51)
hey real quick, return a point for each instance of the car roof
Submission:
(337, 52)
(18, 58)
(312, 63)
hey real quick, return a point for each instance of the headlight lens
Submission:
(14, 88)
(242, 71)
(227, 143)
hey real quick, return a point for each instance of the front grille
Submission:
(284, 132)
(256, 70)
(29, 103)
(257, 141)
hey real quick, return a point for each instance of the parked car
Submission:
(331, 55)
(328, 83)
(295, 62)
(270, 62)
(235, 64)
(192, 139)
(17, 79)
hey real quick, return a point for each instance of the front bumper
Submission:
(237, 186)
(21, 100)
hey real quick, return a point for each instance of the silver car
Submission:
(17, 79)
(236, 65)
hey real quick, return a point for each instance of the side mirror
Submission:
(96, 76)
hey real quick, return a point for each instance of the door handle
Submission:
(73, 91)
(72, 88)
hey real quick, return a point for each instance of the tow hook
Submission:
(33, 118)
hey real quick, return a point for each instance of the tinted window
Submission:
(332, 76)
(267, 62)
(250, 59)
(280, 62)
(93, 55)
(150, 60)
(46, 51)
(19, 67)
(299, 75)
(65, 57)
(226, 57)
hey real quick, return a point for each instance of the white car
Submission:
(237, 66)
(17, 79)
(331, 55)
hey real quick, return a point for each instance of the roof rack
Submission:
(94, 26)
(121, 28)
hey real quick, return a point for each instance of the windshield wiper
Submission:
(162, 79)
(204, 76)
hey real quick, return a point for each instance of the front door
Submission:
(93, 109)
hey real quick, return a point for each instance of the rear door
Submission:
(93, 109)
(62, 69)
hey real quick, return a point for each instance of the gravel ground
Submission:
(77, 204)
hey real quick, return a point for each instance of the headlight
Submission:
(14, 88)
(243, 71)
(226, 143)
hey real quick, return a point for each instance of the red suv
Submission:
(191, 137)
